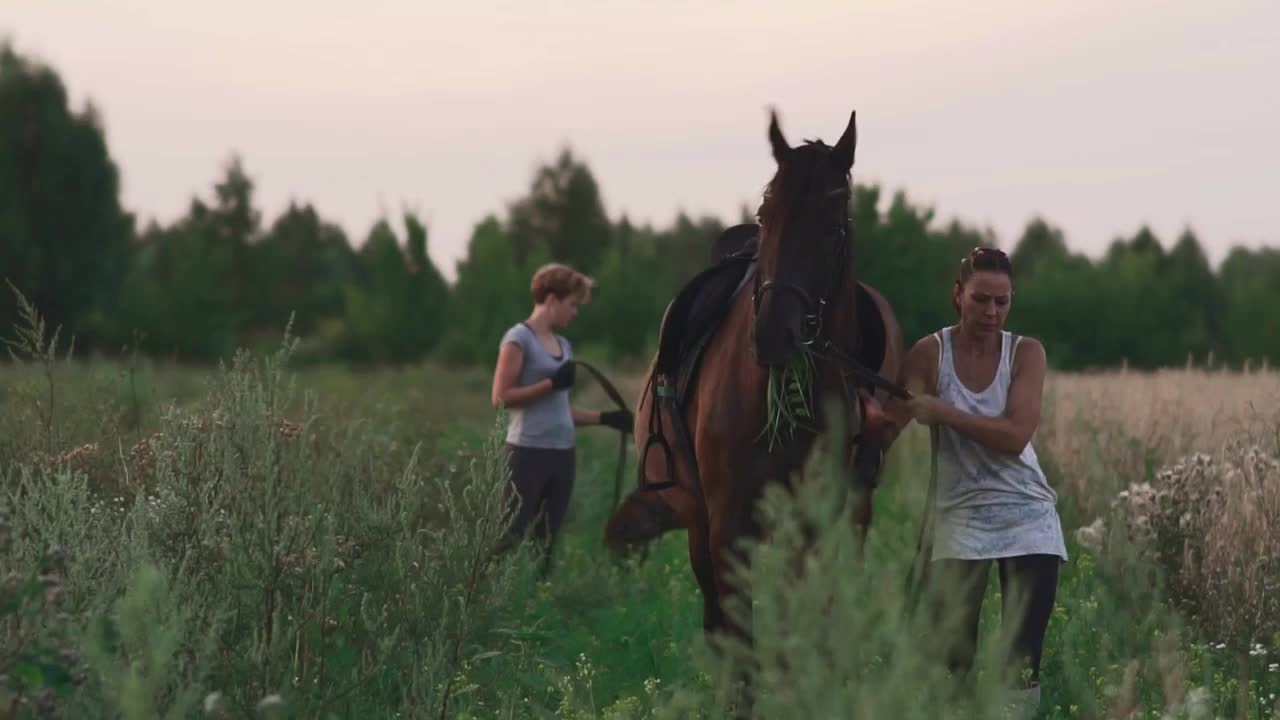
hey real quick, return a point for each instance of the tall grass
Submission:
(265, 563)
(252, 548)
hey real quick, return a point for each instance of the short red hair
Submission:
(560, 280)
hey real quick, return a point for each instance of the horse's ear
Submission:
(842, 153)
(779, 143)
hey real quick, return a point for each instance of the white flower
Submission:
(1197, 703)
(1090, 536)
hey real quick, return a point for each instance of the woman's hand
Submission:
(620, 420)
(564, 376)
(926, 409)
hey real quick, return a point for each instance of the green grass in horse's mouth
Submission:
(788, 397)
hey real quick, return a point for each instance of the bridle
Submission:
(816, 318)
(816, 309)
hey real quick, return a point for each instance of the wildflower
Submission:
(651, 686)
(1090, 536)
(289, 430)
(1198, 703)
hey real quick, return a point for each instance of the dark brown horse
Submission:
(803, 299)
(647, 514)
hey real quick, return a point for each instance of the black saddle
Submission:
(698, 309)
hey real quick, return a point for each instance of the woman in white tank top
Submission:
(979, 389)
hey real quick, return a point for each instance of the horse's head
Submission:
(641, 519)
(805, 247)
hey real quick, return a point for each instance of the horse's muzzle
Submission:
(779, 330)
(775, 348)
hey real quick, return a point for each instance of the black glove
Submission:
(620, 420)
(563, 376)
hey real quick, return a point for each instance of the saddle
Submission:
(697, 311)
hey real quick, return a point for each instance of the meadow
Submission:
(256, 540)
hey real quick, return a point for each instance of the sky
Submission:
(1100, 116)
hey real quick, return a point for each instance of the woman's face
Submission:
(984, 302)
(564, 311)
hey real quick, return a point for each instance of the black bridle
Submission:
(816, 318)
(817, 308)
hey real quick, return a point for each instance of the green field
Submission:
(313, 545)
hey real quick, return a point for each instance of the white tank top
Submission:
(988, 504)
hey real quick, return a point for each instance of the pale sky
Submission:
(1099, 115)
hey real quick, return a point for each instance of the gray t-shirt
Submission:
(546, 422)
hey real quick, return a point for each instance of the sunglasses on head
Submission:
(984, 250)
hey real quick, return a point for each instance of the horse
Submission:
(803, 300)
(647, 514)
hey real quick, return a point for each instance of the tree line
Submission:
(222, 277)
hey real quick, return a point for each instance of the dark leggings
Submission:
(1028, 586)
(543, 479)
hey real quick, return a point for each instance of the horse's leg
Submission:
(728, 560)
(862, 477)
(704, 571)
(731, 565)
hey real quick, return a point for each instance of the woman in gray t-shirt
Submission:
(532, 379)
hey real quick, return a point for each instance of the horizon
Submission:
(449, 110)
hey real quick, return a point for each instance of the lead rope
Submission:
(920, 564)
(919, 572)
(616, 397)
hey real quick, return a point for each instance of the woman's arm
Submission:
(507, 374)
(584, 417)
(917, 375)
(1010, 432)
(621, 419)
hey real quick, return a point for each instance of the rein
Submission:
(616, 397)
(828, 350)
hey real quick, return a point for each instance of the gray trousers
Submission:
(543, 479)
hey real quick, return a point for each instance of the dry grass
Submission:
(1104, 431)
(1186, 464)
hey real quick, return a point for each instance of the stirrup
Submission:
(671, 469)
(661, 390)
